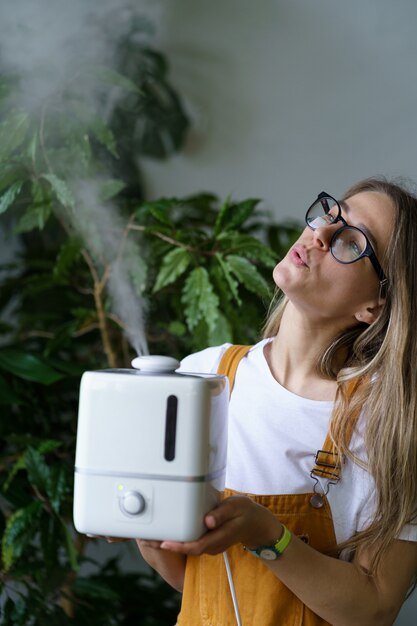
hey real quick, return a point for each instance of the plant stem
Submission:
(163, 237)
(66, 601)
(101, 315)
(104, 329)
(98, 284)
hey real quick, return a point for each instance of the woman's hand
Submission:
(236, 520)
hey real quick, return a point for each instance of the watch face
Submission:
(268, 554)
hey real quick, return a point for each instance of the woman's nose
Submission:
(322, 236)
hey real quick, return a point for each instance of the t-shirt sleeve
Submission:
(408, 532)
(203, 362)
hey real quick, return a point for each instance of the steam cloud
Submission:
(45, 42)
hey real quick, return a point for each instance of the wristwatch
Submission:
(272, 552)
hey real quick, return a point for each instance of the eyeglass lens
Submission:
(323, 212)
(348, 244)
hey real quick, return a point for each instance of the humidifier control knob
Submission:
(132, 503)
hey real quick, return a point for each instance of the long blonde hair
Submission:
(383, 357)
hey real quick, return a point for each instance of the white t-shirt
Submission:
(273, 438)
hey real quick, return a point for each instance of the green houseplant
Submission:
(193, 264)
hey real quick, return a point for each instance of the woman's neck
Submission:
(294, 353)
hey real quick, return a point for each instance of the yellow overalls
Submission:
(263, 599)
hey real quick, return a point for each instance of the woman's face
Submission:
(317, 284)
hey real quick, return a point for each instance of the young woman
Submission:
(319, 514)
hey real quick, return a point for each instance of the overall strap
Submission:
(230, 361)
(328, 462)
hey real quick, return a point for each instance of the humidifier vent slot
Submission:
(171, 427)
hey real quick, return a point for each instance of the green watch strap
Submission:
(275, 550)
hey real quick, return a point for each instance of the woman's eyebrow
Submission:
(362, 227)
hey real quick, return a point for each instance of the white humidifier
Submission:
(151, 450)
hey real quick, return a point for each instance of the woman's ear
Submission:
(369, 314)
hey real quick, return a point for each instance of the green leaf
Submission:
(70, 547)
(221, 333)
(174, 264)
(57, 487)
(9, 197)
(39, 473)
(69, 253)
(112, 77)
(35, 217)
(16, 612)
(28, 367)
(111, 188)
(77, 154)
(61, 190)
(221, 216)
(42, 447)
(32, 147)
(160, 209)
(20, 464)
(11, 173)
(248, 275)
(91, 122)
(47, 445)
(13, 132)
(199, 299)
(26, 440)
(160, 215)
(227, 273)
(247, 246)
(232, 216)
(104, 135)
(19, 532)
(177, 328)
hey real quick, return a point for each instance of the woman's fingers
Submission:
(236, 520)
(213, 542)
(227, 509)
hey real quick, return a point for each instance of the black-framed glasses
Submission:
(349, 243)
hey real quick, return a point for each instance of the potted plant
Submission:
(92, 252)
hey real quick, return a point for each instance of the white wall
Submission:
(290, 97)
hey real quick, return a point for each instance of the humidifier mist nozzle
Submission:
(155, 363)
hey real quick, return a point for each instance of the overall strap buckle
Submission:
(327, 465)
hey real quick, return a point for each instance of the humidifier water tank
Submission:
(151, 451)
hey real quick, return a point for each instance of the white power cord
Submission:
(232, 589)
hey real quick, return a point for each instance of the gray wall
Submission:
(289, 98)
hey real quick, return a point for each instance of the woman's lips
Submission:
(298, 256)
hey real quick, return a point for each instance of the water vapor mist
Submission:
(105, 230)
(47, 43)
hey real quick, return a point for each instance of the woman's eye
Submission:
(354, 247)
